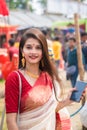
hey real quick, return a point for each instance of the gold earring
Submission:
(23, 60)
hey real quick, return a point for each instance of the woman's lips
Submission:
(33, 57)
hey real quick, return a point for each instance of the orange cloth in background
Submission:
(57, 50)
(16, 44)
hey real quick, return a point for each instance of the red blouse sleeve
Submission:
(12, 93)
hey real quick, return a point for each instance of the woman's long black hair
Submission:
(47, 65)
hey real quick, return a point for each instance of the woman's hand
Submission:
(69, 95)
(66, 101)
(83, 94)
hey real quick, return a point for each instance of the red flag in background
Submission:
(3, 8)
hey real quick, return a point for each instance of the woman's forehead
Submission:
(32, 41)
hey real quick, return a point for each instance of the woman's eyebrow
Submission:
(28, 45)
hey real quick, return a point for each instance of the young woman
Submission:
(38, 102)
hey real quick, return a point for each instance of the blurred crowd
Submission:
(62, 48)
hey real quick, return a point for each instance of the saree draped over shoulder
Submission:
(38, 106)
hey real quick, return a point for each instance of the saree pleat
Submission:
(41, 118)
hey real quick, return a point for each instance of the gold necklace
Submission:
(32, 75)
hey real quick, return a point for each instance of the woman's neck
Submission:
(34, 69)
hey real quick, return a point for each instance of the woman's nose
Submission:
(33, 51)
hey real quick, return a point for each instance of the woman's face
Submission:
(32, 51)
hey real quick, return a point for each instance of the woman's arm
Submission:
(66, 101)
(62, 104)
(11, 119)
(11, 100)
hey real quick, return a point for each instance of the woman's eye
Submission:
(29, 47)
(38, 47)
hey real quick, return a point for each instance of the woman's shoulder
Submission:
(47, 75)
(13, 76)
(12, 82)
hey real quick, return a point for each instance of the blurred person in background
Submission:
(84, 48)
(5, 44)
(12, 49)
(83, 38)
(57, 50)
(49, 43)
(17, 41)
(72, 60)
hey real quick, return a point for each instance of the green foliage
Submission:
(18, 4)
(22, 4)
(43, 2)
(31, 8)
(12, 4)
